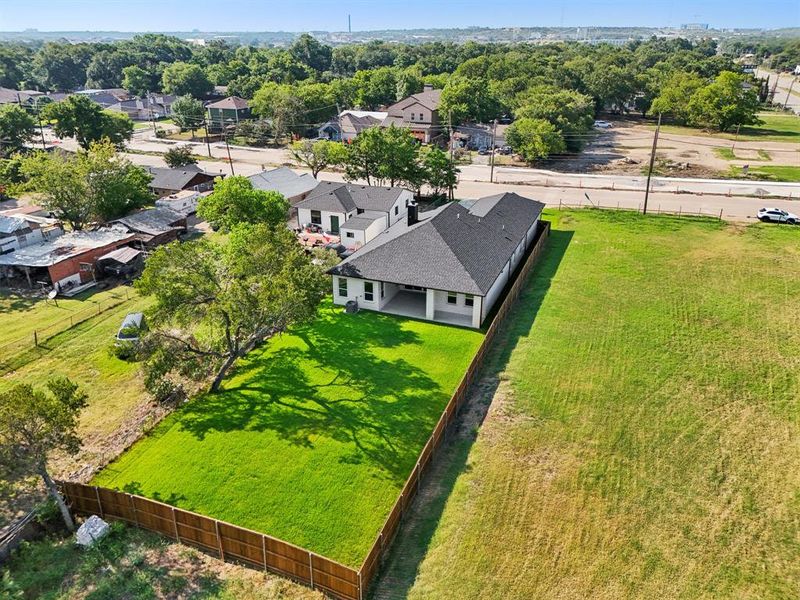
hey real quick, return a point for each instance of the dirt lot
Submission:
(625, 149)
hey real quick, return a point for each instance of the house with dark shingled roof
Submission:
(448, 265)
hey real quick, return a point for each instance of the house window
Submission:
(452, 298)
(369, 291)
(397, 210)
(343, 287)
(382, 291)
(412, 116)
(316, 217)
(469, 300)
(359, 211)
(349, 234)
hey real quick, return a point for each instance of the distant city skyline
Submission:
(331, 15)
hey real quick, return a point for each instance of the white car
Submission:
(603, 124)
(777, 215)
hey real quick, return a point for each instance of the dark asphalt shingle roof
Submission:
(455, 248)
(174, 179)
(363, 221)
(345, 197)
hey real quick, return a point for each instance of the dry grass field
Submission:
(643, 438)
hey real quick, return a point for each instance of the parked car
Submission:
(312, 228)
(777, 215)
(505, 150)
(483, 150)
(603, 124)
(131, 329)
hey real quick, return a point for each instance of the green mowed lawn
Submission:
(776, 127)
(313, 436)
(644, 441)
(770, 172)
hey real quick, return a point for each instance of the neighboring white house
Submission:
(357, 213)
(21, 230)
(450, 264)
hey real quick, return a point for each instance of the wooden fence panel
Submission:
(225, 540)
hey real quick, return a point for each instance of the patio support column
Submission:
(477, 308)
(429, 296)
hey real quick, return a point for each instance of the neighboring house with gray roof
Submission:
(170, 181)
(349, 123)
(292, 186)
(450, 264)
(155, 226)
(419, 113)
(333, 206)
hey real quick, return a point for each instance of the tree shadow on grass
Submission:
(330, 383)
(400, 568)
(135, 488)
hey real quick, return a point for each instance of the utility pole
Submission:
(652, 160)
(450, 128)
(228, 148)
(736, 137)
(789, 93)
(491, 149)
(208, 143)
(150, 110)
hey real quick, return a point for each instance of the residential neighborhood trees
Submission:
(278, 103)
(235, 201)
(179, 156)
(318, 156)
(182, 79)
(188, 113)
(92, 185)
(215, 303)
(33, 424)
(535, 139)
(17, 128)
(79, 117)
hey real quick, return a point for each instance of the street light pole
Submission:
(652, 160)
(491, 149)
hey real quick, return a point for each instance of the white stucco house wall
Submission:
(449, 265)
(21, 230)
(357, 213)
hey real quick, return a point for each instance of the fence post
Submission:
(311, 569)
(264, 549)
(219, 540)
(35, 338)
(99, 503)
(360, 587)
(133, 509)
(720, 214)
(175, 524)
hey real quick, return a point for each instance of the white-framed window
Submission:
(369, 291)
(316, 217)
(452, 298)
(349, 234)
(469, 300)
(342, 287)
(412, 116)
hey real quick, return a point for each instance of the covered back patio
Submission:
(415, 304)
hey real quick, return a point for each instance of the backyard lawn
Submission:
(644, 440)
(313, 436)
(771, 172)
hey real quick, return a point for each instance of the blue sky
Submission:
(305, 15)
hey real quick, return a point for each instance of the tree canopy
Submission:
(235, 201)
(214, 303)
(33, 424)
(79, 117)
(94, 185)
(17, 128)
(534, 139)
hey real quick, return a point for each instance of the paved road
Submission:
(706, 196)
(782, 95)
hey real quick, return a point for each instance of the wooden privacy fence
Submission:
(230, 542)
(371, 565)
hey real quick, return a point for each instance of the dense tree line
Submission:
(556, 88)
